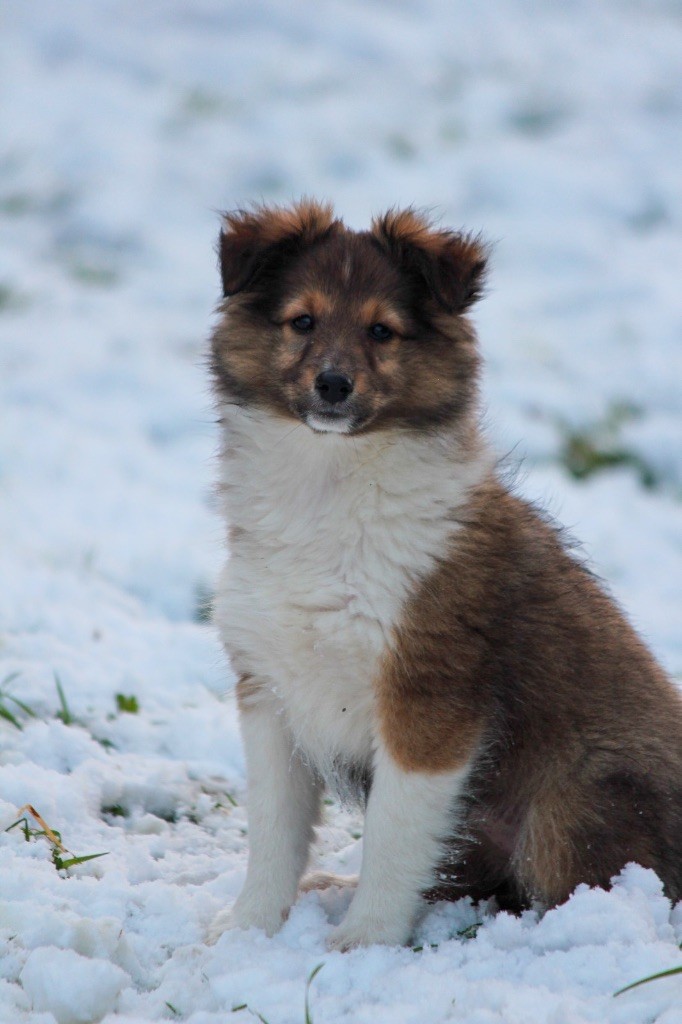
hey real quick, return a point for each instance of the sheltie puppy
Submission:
(405, 630)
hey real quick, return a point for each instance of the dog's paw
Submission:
(320, 880)
(246, 914)
(360, 931)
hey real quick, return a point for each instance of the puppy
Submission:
(406, 630)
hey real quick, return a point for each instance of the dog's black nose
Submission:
(333, 387)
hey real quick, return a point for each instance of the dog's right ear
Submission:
(451, 264)
(250, 239)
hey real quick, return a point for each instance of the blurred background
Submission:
(555, 129)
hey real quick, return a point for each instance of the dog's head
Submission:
(347, 331)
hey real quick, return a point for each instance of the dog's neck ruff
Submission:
(308, 473)
(330, 534)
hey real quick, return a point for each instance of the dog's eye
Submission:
(380, 332)
(303, 322)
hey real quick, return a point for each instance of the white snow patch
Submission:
(76, 989)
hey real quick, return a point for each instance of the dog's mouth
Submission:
(327, 418)
(347, 417)
(329, 422)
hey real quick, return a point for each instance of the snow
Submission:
(75, 989)
(555, 129)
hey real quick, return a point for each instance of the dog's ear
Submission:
(451, 265)
(250, 239)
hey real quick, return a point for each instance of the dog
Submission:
(404, 628)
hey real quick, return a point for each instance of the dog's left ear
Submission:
(452, 265)
(250, 240)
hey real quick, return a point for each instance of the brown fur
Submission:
(250, 234)
(248, 690)
(580, 768)
(510, 651)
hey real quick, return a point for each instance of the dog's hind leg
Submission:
(589, 835)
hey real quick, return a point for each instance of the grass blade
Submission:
(254, 1013)
(6, 713)
(313, 974)
(65, 713)
(20, 704)
(24, 828)
(71, 861)
(652, 977)
(54, 836)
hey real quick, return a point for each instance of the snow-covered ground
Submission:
(554, 128)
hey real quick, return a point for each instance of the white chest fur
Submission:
(330, 533)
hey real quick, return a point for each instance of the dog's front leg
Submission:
(283, 806)
(409, 814)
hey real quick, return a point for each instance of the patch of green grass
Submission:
(17, 204)
(127, 705)
(652, 977)
(537, 120)
(115, 811)
(11, 299)
(202, 103)
(168, 814)
(103, 742)
(8, 698)
(217, 805)
(94, 276)
(583, 458)
(61, 863)
(199, 106)
(597, 447)
(400, 147)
